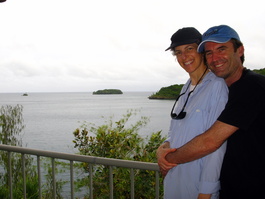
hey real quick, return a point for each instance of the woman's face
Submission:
(188, 57)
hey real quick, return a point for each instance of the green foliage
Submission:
(260, 71)
(31, 186)
(119, 140)
(170, 92)
(11, 125)
(11, 121)
(48, 186)
(107, 91)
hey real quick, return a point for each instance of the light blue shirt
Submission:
(205, 104)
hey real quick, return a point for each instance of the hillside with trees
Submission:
(170, 92)
(260, 71)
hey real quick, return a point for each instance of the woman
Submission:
(202, 99)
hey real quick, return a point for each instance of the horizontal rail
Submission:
(83, 158)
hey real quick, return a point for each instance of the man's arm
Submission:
(202, 144)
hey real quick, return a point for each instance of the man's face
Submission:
(222, 58)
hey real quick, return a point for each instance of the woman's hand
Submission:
(204, 196)
(161, 153)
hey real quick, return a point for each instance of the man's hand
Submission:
(161, 153)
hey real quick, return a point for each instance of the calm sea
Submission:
(51, 118)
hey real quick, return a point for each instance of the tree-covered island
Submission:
(107, 91)
(172, 92)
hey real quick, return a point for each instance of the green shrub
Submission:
(11, 126)
(119, 140)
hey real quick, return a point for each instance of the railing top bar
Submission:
(82, 158)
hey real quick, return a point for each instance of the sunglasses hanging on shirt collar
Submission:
(182, 113)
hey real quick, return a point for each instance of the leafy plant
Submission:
(119, 140)
(11, 125)
(11, 121)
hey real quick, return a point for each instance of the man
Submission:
(242, 122)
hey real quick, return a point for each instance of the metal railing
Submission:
(79, 158)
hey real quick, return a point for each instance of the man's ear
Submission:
(241, 50)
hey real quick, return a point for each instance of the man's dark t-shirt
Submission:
(243, 170)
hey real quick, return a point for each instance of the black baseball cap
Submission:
(183, 36)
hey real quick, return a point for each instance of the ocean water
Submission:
(51, 118)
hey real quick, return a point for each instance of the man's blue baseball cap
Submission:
(218, 34)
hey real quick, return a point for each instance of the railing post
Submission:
(111, 181)
(24, 175)
(157, 185)
(132, 183)
(72, 179)
(91, 181)
(39, 176)
(10, 183)
(53, 179)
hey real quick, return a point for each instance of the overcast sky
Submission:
(87, 45)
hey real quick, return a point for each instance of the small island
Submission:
(108, 92)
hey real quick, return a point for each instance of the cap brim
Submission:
(184, 42)
(168, 48)
(200, 48)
